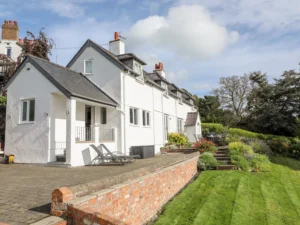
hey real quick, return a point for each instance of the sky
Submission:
(198, 41)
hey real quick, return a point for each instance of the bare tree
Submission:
(233, 93)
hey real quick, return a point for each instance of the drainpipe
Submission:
(153, 120)
(124, 112)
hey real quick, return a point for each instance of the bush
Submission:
(238, 148)
(205, 146)
(261, 147)
(242, 133)
(178, 139)
(232, 139)
(3, 100)
(260, 163)
(213, 127)
(241, 162)
(207, 161)
(295, 151)
(279, 147)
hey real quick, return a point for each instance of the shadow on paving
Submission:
(42, 209)
(286, 162)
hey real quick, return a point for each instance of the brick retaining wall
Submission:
(133, 202)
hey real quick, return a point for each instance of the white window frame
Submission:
(27, 111)
(146, 117)
(135, 116)
(84, 67)
(138, 68)
(165, 86)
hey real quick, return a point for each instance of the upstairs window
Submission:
(146, 118)
(179, 95)
(8, 52)
(103, 115)
(138, 68)
(27, 110)
(88, 67)
(165, 86)
(133, 116)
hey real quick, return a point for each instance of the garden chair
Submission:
(118, 156)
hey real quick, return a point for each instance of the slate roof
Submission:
(130, 56)
(191, 119)
(68, 81)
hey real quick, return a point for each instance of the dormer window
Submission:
(88, 67)
(137, 68)
(165, 86)
(179, 96)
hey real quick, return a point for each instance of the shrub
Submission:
(239, 148)
(205, 146)
(260, 163)
(213, 127)
(279, 147)
(232, 139)
(178, 139)
(3, 100)
(295, 151)
(207, 161)
(240, 162)
(261, 147)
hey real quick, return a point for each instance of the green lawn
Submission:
(239, 198)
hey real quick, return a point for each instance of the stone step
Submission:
(221, 152)
(223, 148)
(51, 220)
(220, 155)
(222, 158)
(226, 167)
(61, 158)
(225, 162)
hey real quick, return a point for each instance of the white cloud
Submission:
(177, 76)
(64, 8)
(187, 30)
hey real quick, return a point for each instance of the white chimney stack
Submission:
(117, 46)
(159, 68)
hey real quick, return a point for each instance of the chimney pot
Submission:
(10, 22)
(15, 23)
(5, 22)
(159, 66)
(116, 36)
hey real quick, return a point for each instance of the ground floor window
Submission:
(27, 110)
(103, 115)
(133, 116)
(146, 118)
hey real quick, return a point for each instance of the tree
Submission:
(274, 108)
(233, 93)
(209, 109)
(7, 67)
(39, 46)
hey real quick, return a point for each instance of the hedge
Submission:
(237, 132)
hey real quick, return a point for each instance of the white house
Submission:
(101, 97)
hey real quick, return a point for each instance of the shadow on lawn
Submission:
(285, 161)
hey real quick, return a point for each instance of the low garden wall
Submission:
(133, 201)
(179, 150)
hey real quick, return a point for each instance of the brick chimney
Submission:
(117, 45)
(159, 68)
(10, 30)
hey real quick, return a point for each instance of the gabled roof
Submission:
(191, 119)
(69, 82)
(104, 52)
(127, 56)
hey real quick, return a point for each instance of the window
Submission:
(179, 96)
(146, 118)
(179, 126)
(133, 116)
(28, 108)
(88, 67)
(8, 52)
(165, 86)
(137, 68)
(103, 115)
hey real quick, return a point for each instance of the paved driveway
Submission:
(25, 190)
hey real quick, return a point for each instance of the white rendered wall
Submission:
(15, 49)
(28, 142)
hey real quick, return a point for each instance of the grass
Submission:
(239, 198)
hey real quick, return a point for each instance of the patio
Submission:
(21, 184)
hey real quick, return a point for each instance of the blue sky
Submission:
(198, 41)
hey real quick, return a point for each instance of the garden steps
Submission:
(223, 159)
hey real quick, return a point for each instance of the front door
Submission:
(88, 123)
